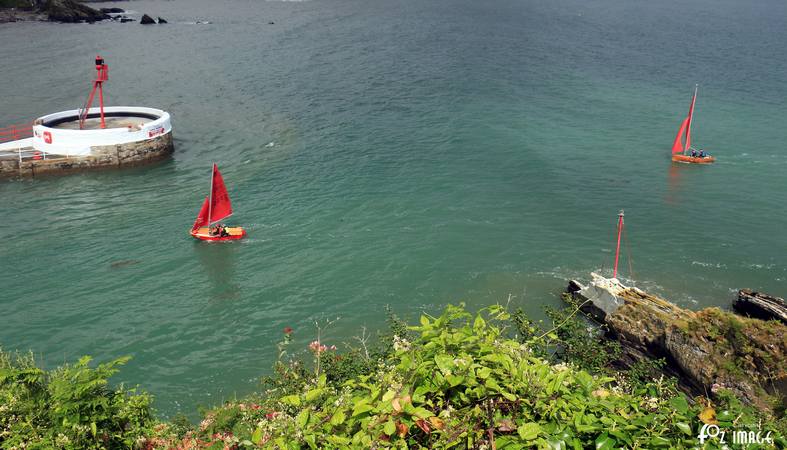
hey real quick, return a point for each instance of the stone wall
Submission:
(107, 156)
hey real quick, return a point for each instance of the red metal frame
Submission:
(16, 132)
(102, 75)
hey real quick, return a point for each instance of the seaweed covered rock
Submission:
(711, 350)
(723, 351)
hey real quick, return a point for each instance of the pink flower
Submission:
(316, 347)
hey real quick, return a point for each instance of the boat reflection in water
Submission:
(219, 264)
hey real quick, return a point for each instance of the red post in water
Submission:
(617, 249)
(98, 84)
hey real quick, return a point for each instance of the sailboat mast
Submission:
(210, 193)
(687, 144)
(617, 249)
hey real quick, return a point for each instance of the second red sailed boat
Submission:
(682, 143)
(215, 208)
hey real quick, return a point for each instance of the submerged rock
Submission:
(123, 263)
(160, 20)
(709, 349)
(112, 10)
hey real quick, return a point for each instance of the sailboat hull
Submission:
(203, 234)
(693, 159)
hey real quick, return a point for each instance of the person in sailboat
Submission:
(703, 154)
(693, 153)
(217, 230)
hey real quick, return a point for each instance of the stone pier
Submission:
(101, 157)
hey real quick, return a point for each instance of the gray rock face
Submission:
(709, 349)
(762, 306)
(70, 11)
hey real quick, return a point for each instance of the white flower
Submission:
(400, 344)
(61, 440)
(652, 403)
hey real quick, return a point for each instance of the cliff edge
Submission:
(711, 350)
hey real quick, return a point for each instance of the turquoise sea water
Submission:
(408, 153)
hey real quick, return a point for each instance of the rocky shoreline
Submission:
(709, 351)
(64, 11)
(68, 11)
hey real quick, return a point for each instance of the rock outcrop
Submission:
(49, 10)
(70, 11)
(146, 20)
(761, 306)
(709, 349)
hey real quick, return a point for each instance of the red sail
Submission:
(202, 217)
(220, 206)
(677, 146)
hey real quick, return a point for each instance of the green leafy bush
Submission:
(70, 407)
(459, 381)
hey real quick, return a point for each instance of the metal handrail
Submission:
(25, 153)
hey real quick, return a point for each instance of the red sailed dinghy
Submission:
(681, 147)
(215, 208)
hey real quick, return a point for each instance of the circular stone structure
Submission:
(127, 127)
(89, 137)
(132, 135)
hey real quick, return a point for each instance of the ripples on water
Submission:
(423, 153)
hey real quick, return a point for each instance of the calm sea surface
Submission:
(408, 153)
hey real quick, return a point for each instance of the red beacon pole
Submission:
(617, 249)
(102, 75)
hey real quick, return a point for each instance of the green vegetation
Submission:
(21, 4)
(69, 407)
(743, 345)
(460, 380)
